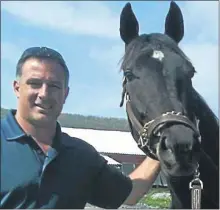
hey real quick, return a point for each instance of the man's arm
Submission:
(142, 178)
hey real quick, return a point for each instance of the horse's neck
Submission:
(210, 140)
(180, 192)
(209, 131)
(208, 127)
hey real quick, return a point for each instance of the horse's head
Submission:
(157, 80)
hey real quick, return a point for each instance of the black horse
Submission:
(167, 117)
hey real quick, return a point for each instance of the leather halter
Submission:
(154, 127)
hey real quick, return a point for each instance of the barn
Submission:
(117, 147)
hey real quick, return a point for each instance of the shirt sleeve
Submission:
(111, 188)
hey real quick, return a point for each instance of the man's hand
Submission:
(143, 178)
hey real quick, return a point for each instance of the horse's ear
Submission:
(129, 27)
(174, 25)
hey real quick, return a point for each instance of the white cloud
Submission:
(204, 57)
(88, 18)
(201, 17)
(108, 56)
(103, 100)
(10, 52)
(201, 28)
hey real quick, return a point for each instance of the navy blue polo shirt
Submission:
(69, 176)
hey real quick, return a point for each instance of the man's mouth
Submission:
(44, 106)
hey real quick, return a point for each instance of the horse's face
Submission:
(158, 80)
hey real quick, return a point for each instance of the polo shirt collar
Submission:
(13, 131)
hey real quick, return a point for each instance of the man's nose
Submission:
(44, 91)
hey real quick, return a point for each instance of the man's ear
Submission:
(66, 94)
(16, 87)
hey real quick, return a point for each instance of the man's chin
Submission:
(43, 120)
(44, 111)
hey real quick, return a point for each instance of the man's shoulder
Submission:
(3, 124)
(3, 121)
(82, 150)
(7, 120)
(10, 129)
(5, 127)
(75, 142)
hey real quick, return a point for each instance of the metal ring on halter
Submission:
(196, 178)
(194, 181)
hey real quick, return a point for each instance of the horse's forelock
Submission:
(153, 39)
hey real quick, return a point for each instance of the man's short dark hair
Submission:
(42, 53)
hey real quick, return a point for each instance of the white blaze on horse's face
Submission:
(158, 55)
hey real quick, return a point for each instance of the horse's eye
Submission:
(129, 75)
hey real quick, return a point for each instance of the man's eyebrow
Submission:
(47, 81)
(54, 82)
(34, 79)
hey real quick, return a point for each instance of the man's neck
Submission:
(41, 134)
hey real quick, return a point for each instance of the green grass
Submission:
(158, 202)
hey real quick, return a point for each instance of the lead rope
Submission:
(196, 185)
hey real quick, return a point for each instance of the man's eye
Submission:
(55, 86)
(35, 84)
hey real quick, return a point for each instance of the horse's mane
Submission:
(208, 125)
(203, 111)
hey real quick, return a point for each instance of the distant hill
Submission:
(89, 122)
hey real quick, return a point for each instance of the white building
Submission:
(117, 147)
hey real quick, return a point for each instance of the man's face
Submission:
(41, 91)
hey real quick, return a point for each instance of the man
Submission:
(41, 167)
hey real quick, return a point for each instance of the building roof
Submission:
(107, 141)
(110, 160)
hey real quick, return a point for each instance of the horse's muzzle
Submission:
(178, 150)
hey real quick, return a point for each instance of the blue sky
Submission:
(87, 35)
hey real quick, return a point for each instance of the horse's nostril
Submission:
(183, 149)
(163, 143)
